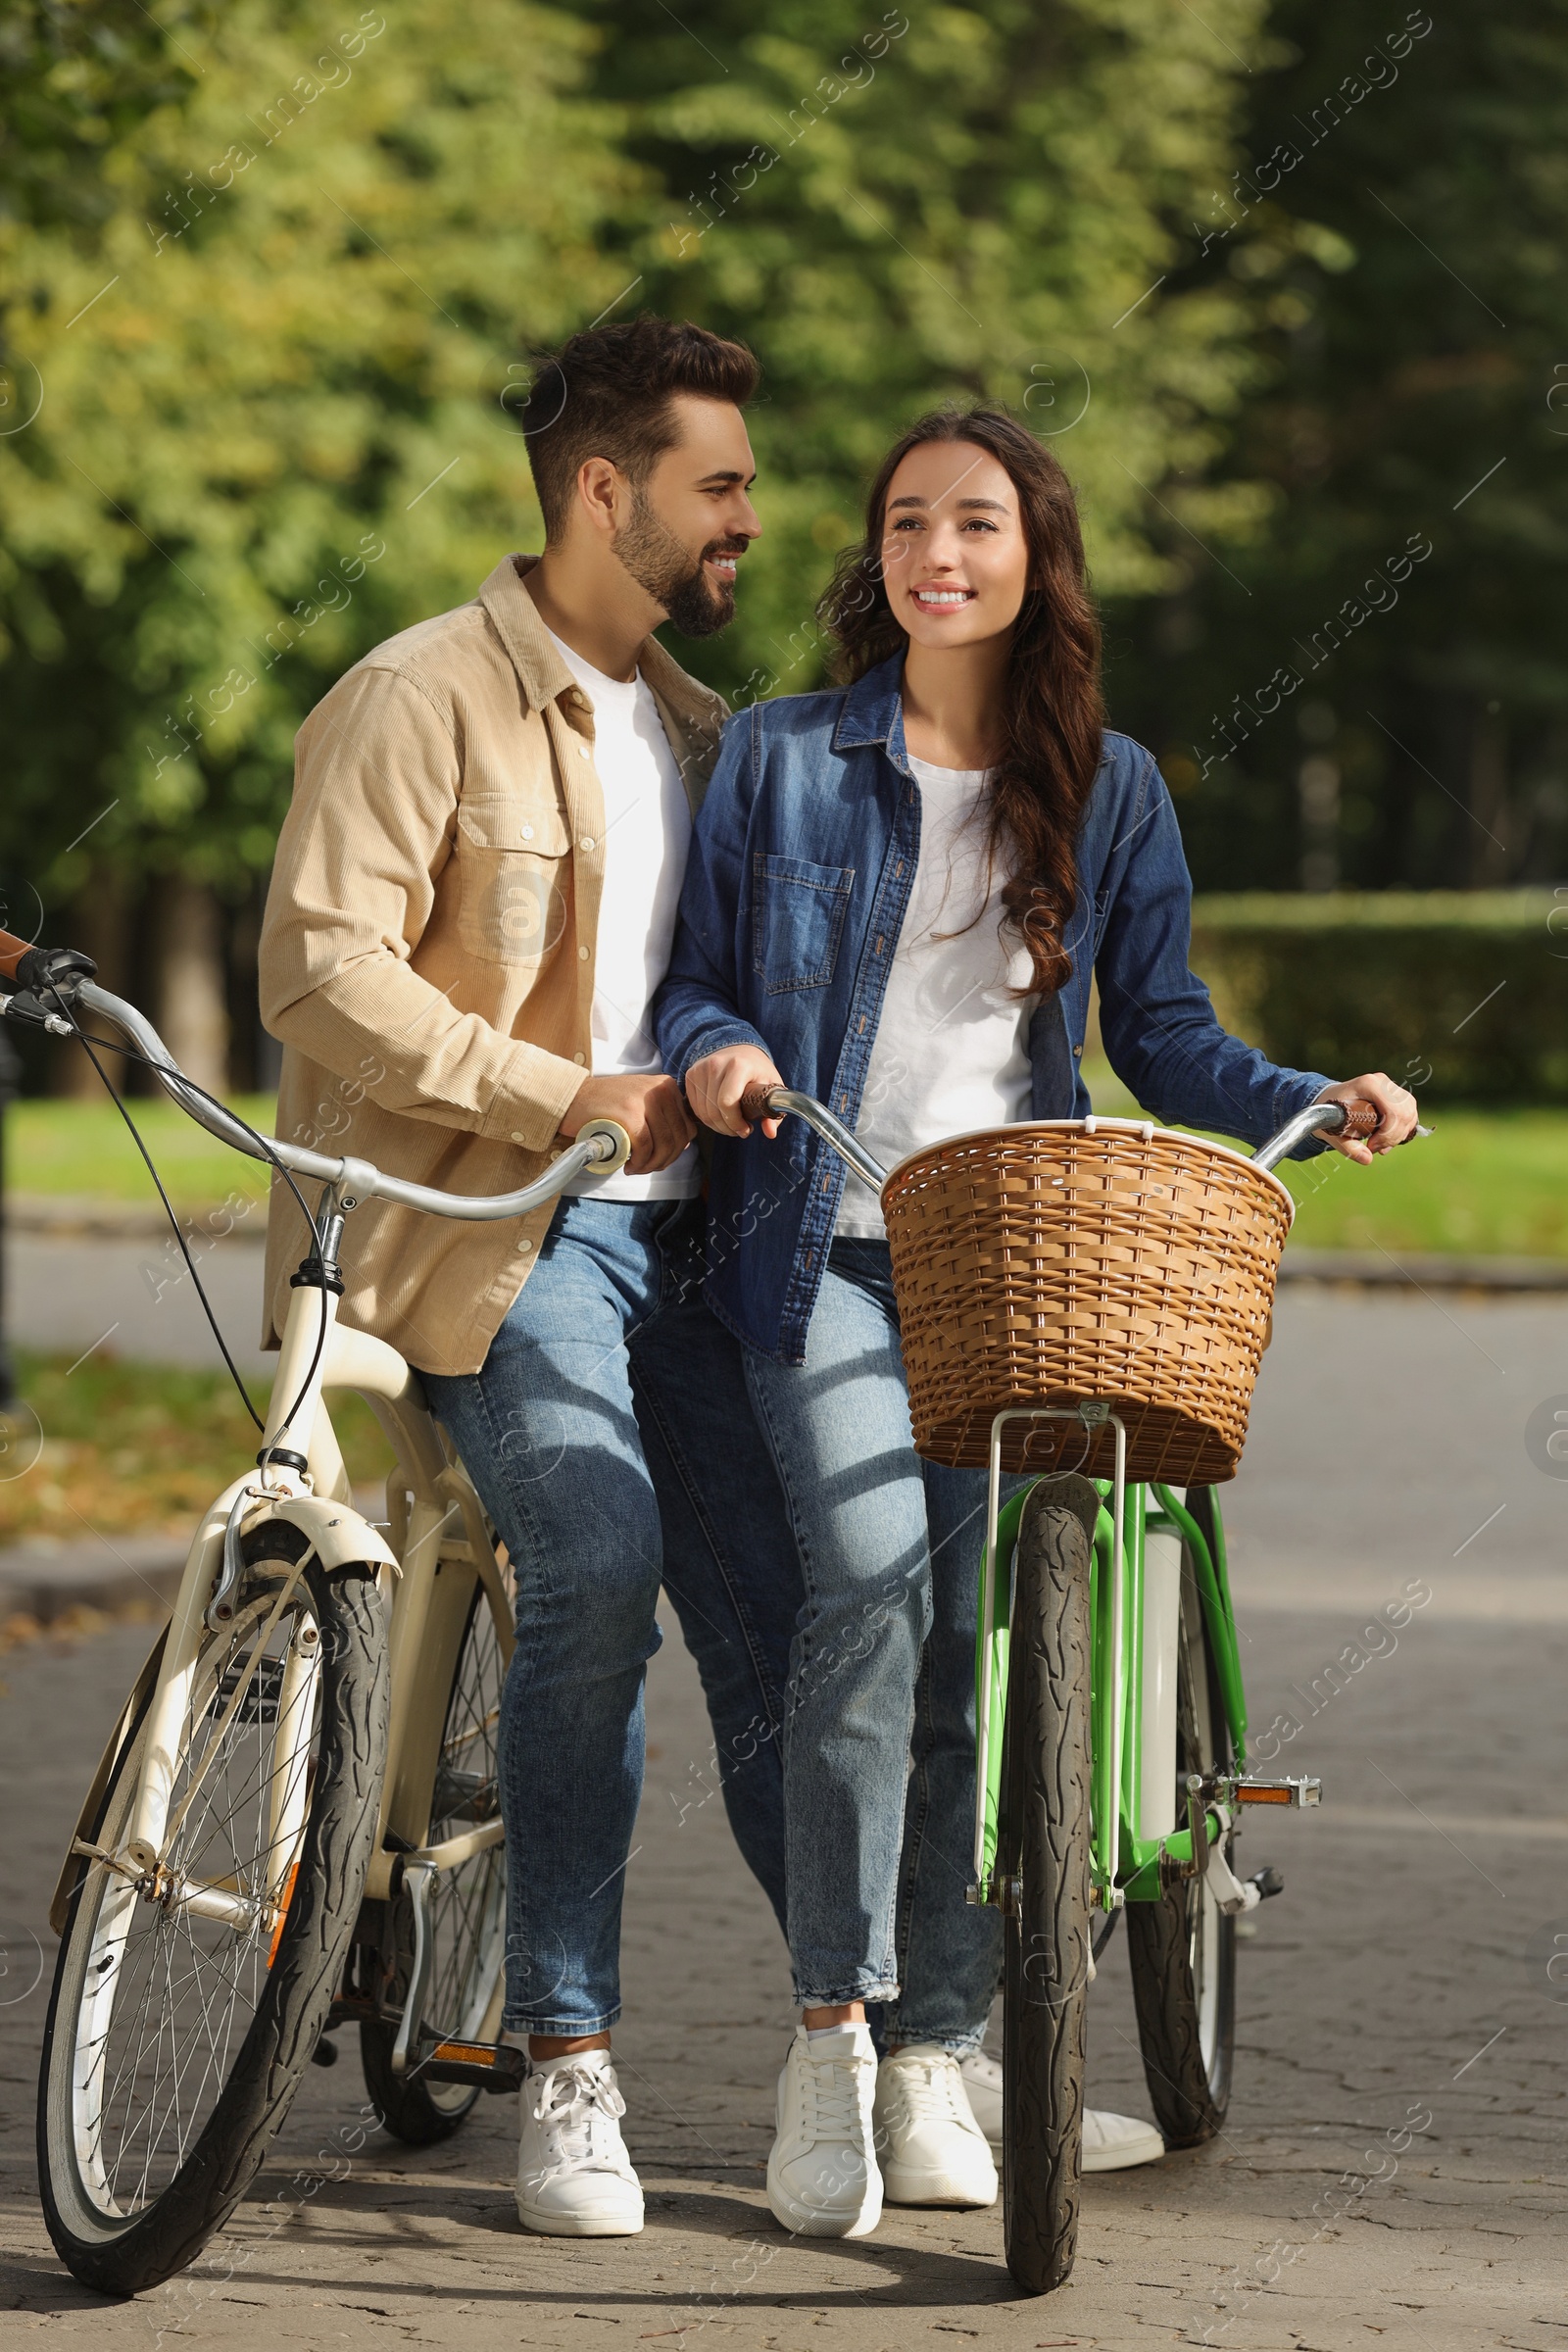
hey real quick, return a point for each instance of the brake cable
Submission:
(264, 1151)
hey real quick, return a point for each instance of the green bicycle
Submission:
(1092, 1297)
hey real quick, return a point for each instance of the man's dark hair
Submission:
(606, 393)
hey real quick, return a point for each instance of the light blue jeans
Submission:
(879, 1712)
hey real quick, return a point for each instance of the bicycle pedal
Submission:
(491, 2066)
(1298, 1789)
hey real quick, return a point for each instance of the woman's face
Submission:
(954, 559)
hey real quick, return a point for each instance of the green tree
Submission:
(1397, 230)
(80, 76)
(950, 200)
(270, 269)
(268, 431)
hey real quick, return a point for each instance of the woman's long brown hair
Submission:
(1053, 713)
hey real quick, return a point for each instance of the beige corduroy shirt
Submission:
(427, 953)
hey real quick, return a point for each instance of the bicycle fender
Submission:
(339, 1535)
(125, 1727)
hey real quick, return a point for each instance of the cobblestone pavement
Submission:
(1395, 2163)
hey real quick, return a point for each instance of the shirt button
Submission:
(527, 832)
(582, 954)
(586, 842)
(583, 751)
(524, 1243)
(579, 1057)
(515, 1137)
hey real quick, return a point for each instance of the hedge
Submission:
(1464, 994)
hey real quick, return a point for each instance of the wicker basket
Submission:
(1070, 1259)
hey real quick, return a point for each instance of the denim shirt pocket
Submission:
(798, 912)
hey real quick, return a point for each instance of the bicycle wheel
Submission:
(468, 1910)
(1042, 1849)
(183, 2016)
(1182, 1950)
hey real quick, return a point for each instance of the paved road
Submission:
(1394, 2166)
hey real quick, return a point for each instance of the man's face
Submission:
(692, 519)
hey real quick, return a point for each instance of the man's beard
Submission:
(663, 566)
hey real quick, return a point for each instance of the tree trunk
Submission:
(100, 924)
(1489, 799)
(192, 982)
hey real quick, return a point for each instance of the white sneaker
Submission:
(574, 2177)
(1112, 2142)
(981, 2083)
(822, 2180)
(932, 2150)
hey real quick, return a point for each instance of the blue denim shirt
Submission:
(801, 868)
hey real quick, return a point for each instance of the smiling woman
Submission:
(973, 560)
(930, 864)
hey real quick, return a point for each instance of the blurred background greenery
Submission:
(1284, 282)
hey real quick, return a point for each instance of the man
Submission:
(473, 903)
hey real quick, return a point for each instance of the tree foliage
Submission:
(943, 203)
(267, 431)
(1398, 231)
(1282, 281)
(270, 270)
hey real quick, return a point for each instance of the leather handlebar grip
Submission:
(1361, 1117)
(754, 1101)
(12, 951)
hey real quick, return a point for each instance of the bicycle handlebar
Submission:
(761, 1102)
(600, 1145)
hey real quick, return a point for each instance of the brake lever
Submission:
(27, 1009)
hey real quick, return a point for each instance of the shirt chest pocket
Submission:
(513, 879)
(798, 912)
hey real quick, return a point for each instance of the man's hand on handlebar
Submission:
(716, 1084)
(1396, 1105)
(649, 1107)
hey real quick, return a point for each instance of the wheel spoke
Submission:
(175, 1994)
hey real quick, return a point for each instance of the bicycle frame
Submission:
(436, 1525)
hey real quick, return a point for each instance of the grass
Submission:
(1486, 1183)
(138, 1448)
(86, 1149)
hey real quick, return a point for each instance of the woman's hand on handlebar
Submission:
(649, 1107)
(716, 1084)
(1396, 1105)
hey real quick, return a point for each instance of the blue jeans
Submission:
(879, 1725)
(549, 1432)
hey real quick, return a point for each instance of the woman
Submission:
(897, 896)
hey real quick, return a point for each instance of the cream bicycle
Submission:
(295, 1824)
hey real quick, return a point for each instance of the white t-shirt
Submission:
(648, 832)
(952, 1049)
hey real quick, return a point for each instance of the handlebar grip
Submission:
(1361, 1117)
(758, 1101)
(612, 1132)
(12, 951)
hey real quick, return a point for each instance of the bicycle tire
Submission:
(1182, 1950)
(469, 1914)
(1044, 1850)
(120, 2251)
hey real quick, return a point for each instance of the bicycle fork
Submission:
(992, 1679)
